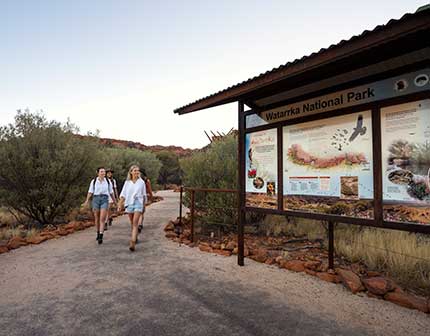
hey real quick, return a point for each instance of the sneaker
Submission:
(100, 240)
(139, 228)
(132, 246)
(98, 235)
(110, 221)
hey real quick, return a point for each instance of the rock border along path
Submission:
(71, 286)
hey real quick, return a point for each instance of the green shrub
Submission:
(45, 169)
(170, 172)
(216, 167)
(121, 159)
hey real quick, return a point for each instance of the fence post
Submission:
(331, 245)
(180, 205)
(192, 215)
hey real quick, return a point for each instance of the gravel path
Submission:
(72, 286)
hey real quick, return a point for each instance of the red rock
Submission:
(350, 280)
(224, 253)
(231, 245)
(170, 234)
(312, 265)
(378, 285)
(260, 255)
(270, 261)
(71, 225)
(328, 277)
(374, 296)
(3, 249)
(37, 239)
(279, 259)
(294, 265)
(16, 242)
(371, 274)
(205, 248)
(63, 232)
(310, 272)
(169, 227)
(216, 246)
(408, 301)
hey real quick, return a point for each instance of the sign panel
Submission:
(406, 161)
(384, 89)
(261, 169)
(328, 158)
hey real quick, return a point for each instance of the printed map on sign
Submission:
(330, 157)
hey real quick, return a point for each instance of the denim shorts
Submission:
(100, 202)
(135, 207)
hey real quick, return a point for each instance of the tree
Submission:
(170, 172)
(121, 159)
(45, 169)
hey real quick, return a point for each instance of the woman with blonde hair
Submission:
(133, 196)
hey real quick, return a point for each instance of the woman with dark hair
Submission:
(133, 196)
(111, 208)
(100, 189)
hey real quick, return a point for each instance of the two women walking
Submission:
(132, 198)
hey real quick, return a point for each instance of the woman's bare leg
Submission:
(97, 220)
(103, 214)
(136, 222)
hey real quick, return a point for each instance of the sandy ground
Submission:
(72, 286)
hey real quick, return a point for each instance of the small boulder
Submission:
(4, 249)
(329, 277)
(16, 242)
(231, 245)
(170, 234)
(408, 301)
(378, 285)
(169, 227)
(270, 261)
(310, 272)
(294, 265)
(37, 239)
(224, 253)
(312, 265)
(350, 280)
(205, 248)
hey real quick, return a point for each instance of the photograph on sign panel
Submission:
(261, 169)
(328, 166)
(406, 162)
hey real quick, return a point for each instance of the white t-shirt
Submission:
(134, 192)
(100, 188)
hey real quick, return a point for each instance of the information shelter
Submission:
(342, 135)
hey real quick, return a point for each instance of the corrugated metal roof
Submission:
(302, 61)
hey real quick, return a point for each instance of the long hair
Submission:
(129, 176)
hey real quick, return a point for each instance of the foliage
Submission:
(121, 159)
(170, 172)
(45, 168)
(216, 167)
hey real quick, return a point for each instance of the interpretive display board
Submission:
(405, 141)
(328, 165)
(261, 169)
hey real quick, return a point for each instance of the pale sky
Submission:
(123, 66)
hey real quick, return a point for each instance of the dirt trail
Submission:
(72, 286)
